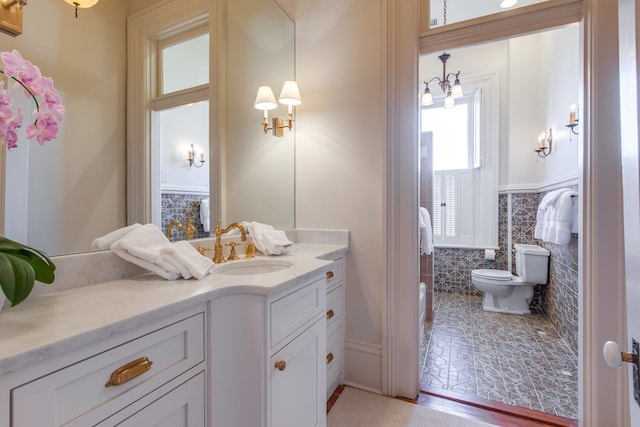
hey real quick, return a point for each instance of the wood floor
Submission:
(479, 409)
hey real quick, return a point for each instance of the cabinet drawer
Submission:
(182, 406)
(292, 311)
(335, 308)
(335, 273)
(77, 395)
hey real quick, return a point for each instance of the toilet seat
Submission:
(497, 275)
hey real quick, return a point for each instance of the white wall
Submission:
(78, 180)
(544, 78)
(178, 129)
(539, 79)
(340, 157)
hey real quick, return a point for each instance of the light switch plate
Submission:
(11, 20)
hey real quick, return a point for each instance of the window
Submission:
(464, 211)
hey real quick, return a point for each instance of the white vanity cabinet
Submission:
(151, 376)
(335, 316)
(267, 365)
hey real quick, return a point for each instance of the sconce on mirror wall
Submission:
(191, 157)
(266, 101)
(573, 119)
(82, 4)
(11, 13)
(11, 16)
(545, 144)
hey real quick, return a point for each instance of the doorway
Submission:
(534, 96)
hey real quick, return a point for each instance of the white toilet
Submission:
(506, 293)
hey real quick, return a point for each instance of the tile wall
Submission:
(557, 300)
(180, 207)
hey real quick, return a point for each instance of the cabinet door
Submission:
(298, 381)
(182, 406)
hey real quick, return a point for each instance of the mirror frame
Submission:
(144, 30)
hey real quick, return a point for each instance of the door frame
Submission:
(602, 392)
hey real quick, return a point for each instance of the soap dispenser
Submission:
(250, 248)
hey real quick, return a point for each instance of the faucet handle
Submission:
(233, 255)
(202, 250)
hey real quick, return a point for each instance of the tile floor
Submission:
(520, 360)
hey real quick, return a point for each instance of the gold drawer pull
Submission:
(329, 358)
(281, 365)
(129, 371)
(330, 275)
(330, 314)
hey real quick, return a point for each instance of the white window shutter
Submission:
(466, 209)
(437, 209)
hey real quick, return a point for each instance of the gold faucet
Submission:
(189, 230)
(219, 231)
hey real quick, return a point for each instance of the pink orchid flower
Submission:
(44, 129)
(49, 109)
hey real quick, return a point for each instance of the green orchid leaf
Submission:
(20, 266)
(16, 278)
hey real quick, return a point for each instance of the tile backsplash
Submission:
(180, 207)
(558, 299)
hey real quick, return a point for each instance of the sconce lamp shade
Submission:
(456, 90)
(427, 98)
(448, 101)
(82, 3)
(265, 100)
(290, 95)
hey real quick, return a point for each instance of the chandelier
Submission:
(451, 90)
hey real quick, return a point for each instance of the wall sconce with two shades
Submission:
(11, 13)
(265, 101)
(191, 158)
(545, 144)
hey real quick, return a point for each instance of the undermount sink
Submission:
(253, 266)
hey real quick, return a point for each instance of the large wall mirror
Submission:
(62, 195)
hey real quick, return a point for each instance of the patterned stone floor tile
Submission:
(520, 360)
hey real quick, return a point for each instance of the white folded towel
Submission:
(105, 242)
(426, 232)
(205, 218)
(557, 216)
(560, 218)
(543, 213)
(268, 240)
(142, 247)
(186, 259)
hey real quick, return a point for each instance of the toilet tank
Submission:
(532, 263)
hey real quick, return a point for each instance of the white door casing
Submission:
(628, 40)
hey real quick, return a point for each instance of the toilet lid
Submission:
(493, 274)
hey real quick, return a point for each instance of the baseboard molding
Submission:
(363, 365)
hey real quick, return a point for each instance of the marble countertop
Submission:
(50, 324)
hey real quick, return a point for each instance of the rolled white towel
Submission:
(104, 242)
(426, 232)
(205, 218)
(268, 240)
(186, 259)
(142, 247)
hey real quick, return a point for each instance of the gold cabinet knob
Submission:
(330, 314)
(281, 365)
(330, 275)
(329, 358)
